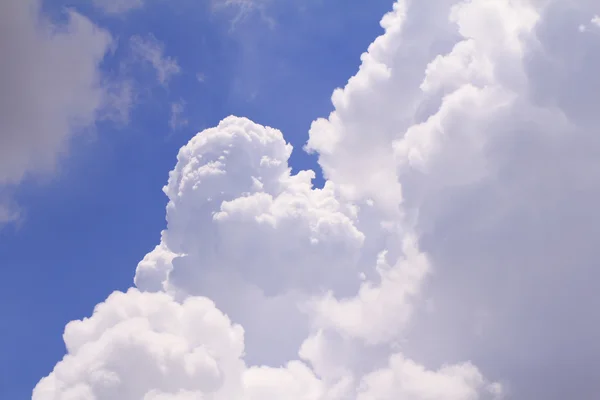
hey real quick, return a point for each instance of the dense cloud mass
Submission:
(450, 255)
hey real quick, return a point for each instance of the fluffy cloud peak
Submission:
(136, 338)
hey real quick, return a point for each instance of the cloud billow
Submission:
(450, 255)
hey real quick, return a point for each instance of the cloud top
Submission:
(452, 246)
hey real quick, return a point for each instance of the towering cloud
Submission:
(452, 247)
(50, 85)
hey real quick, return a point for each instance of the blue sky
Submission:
(93, 221)
(446, 248)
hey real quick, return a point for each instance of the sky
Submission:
(308, 200)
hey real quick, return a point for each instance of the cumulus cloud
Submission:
(452, 247)
(149, 50)
(266, 235)
(50, 83)
(184, 348)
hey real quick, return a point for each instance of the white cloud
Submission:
(397, 285)
(148, 49)
(403, 379)
(135, 337)
(177, 120)
(50, 83)
(596, 20)
(265, 235)
(462, 182)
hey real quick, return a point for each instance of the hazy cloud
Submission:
(149, 50)
(50, 83)
(177, 119)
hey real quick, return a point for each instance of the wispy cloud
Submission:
(148, 49)
(177, 119)
(244, 8)
(118, 6)
(120, 99)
